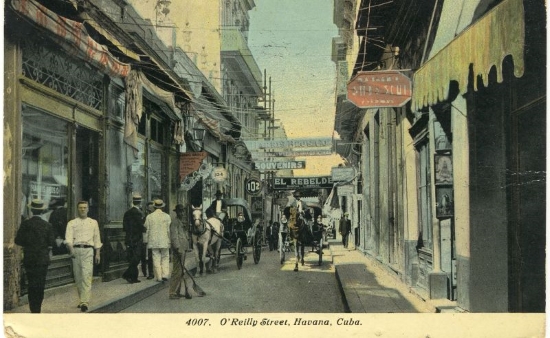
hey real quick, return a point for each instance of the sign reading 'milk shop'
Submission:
(290, 183)
(376, 89)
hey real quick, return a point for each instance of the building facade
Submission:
(98, 107)
(454, 181)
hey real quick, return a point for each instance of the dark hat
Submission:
(37, 204)
(179, 207)
(157, 204)
(219, 193)
(57, 202)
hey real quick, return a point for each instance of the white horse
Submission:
(215, 227)
(200, 234)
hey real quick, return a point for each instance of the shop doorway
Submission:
(86, 174)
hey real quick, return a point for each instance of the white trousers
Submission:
(161, 263)
(83, 270)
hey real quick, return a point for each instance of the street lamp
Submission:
(198, 134)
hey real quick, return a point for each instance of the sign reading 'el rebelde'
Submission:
(290, 183)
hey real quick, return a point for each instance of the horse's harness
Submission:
(198, 230)
(295, 222)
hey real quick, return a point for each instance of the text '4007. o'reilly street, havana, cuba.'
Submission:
(286, 322)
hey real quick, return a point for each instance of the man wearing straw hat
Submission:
(83, 239)
(36, 237)
(134, 229)
(157, 237)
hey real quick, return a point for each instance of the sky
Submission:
(292, 41)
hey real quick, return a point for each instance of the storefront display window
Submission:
(424, 194)
(138, 177)
(156, 164)
(45, 157)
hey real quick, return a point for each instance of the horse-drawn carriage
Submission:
(303, 230)
(241, 231)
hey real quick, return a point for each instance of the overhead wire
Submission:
(144, 65)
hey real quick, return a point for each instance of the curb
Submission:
(119, 304)
(342, 292)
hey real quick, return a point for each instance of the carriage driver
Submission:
(298, 203)
(218, 206)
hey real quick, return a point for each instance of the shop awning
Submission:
(114, 41)
(501, 32)
(72, 37)
(135, 83)
(213, 127)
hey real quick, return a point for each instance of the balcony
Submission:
(234, 49)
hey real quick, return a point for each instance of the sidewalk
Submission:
(368, 288)
(107, 297)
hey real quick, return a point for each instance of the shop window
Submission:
(117, 102)
(157, 131)
(156, 165)
(137, 170)
(45, 166)
(424, 195)
(142, 127)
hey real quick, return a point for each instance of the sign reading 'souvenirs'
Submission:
(376, 89)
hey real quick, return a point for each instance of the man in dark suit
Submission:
(345, 229)
(36, 237)
(218, 205)
(134, 229)
(58, 220)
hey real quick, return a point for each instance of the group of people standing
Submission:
(148, 240)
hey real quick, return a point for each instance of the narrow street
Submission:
(265, 287)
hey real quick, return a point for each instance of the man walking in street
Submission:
(82, 239)
(345, 229)
(36, 236)
(134, 229)
(179, 239)
(157, 237)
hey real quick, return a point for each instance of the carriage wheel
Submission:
(257, 249)
(239, 253)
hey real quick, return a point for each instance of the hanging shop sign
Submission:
(219, 174)
(280, 165)
(190, 162)
(290, 183)
(289, 143)
(292, 153)
(378, 89)
(342, 174)
(344, 190)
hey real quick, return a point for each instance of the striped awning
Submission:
(483, 45)
(213, 127)
(72, 37)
